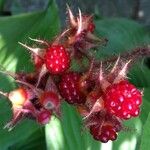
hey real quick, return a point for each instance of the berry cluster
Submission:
(103, 97)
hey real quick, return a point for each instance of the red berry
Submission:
(106, 133)
(50, 100)
(69, 88)
(123, 100)
(57, 59)
(18, 96)
(44, 116)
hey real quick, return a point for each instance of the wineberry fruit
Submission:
(123, 100)
(106, 133)
(69, 88)
(57, 59)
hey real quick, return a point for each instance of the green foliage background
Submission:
(67, 133)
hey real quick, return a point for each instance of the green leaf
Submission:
(139, 75)
(145, 109)
(68, 133)
(146, 134)
(122, 35)
(35, 141)
(44, 25)
(145, 105)
(128, 138)
(2, 2)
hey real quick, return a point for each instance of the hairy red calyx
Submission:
(43, 117)
(50, 101)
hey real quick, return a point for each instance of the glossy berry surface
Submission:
(103, 134)
(123, 100)
(69, 88)
(57, 59)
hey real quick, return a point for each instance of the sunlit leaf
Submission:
(146, 134)
(13, 57)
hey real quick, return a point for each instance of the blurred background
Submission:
(126, 23)
(133, 9)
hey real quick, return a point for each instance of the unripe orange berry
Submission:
(18, 97)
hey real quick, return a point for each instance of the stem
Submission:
(13, 75)
(134, 56)
(4, 94)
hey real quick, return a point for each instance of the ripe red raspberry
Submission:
(123, 100)
(69, 88)
(57, 59)
(103, 134)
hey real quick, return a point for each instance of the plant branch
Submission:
(134, 56)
